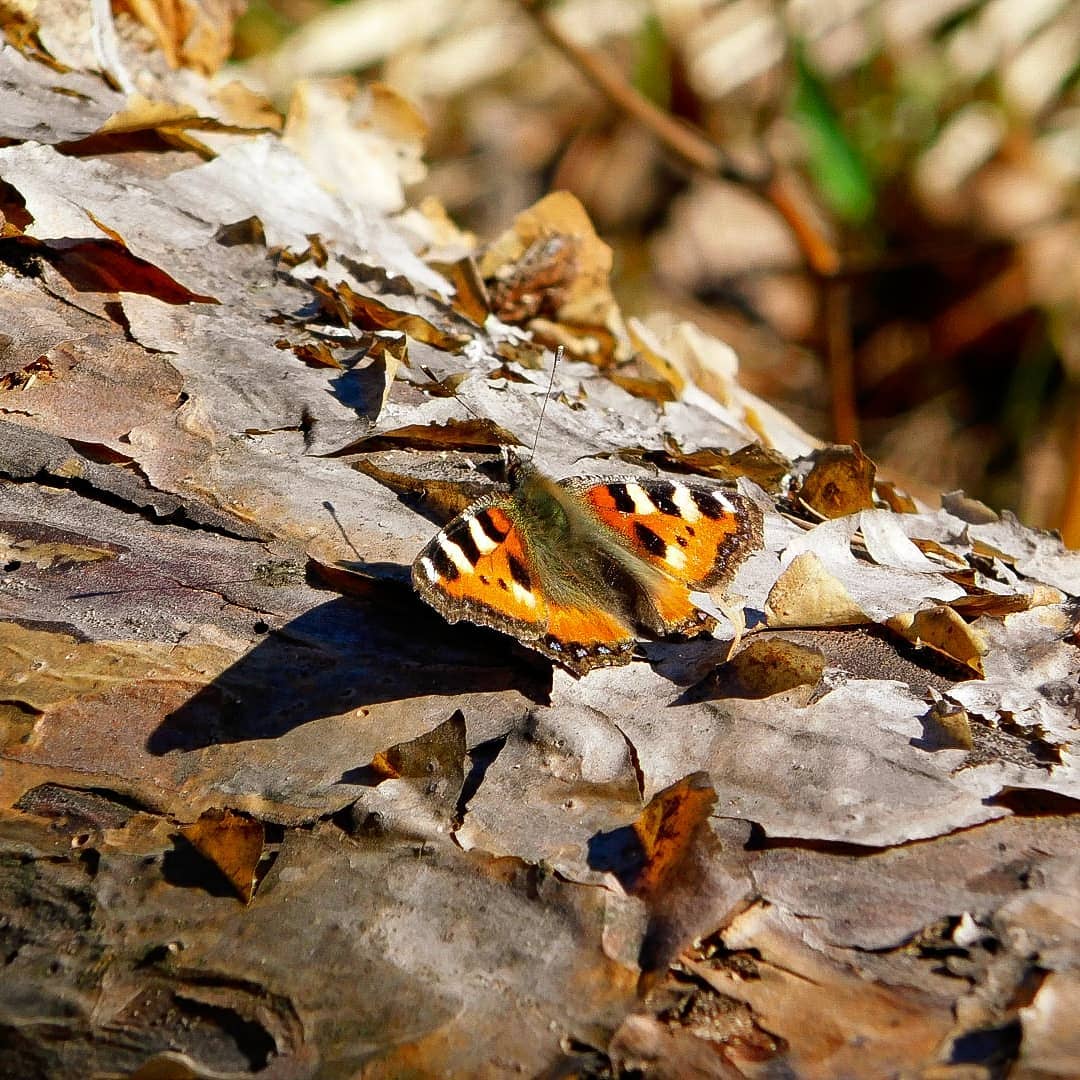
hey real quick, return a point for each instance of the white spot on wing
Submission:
(642, 503)
(483, 542)
(429, 569)
(675, 557)
(687, 507)
(522, 596)
(455, 555)
(724, 501)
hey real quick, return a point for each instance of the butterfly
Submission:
(577, 568)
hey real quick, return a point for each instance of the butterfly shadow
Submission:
(343, 655)
(692, 663)
(684, 663)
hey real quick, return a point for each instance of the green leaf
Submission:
(835, 166)
(652, 68)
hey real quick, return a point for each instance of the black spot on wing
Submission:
(621, 498)
(649, 540)
(443, 566)
(708, 506)
(518, 572)
(662, 494)
(491, 530)
(464, 540)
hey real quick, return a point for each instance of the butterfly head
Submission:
(516, 468)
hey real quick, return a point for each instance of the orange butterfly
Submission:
(576, 568)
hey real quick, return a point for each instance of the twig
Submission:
(1003, 297)
(1070, 511)
(677, 135)
(837, 314)
(822, 257)
(687, 143)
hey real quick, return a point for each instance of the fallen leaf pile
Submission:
(262, 813)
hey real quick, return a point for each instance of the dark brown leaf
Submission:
(233, 843)
(840, 482)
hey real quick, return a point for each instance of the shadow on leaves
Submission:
(344, 655)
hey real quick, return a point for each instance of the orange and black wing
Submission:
(478, 568)
(696, 535)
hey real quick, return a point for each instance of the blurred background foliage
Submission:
(888, 239)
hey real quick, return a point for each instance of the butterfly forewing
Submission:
(478, 568)
(694, 533)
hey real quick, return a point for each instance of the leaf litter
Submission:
(660, 866)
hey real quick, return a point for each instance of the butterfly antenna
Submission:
(332, 511)
(128, 590)
(543, 408)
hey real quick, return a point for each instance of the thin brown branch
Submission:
(845, 417)
(1003, 297)
(819, 253)
(679, 137)
(686, 142)
(1070, 511)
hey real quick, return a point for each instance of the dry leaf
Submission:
(470, 299)
(840, 482)
(97, 266)
(315, 353)
(806, 594)
(1051, 1044)
(551, 246)
(1038, 555)
(878, 591)
(361, 141)
(999, 604)
(948, 726)
(453, 435)
(442, 486)
(943, 631)
(233, 843)
(369, 384)
(765, 467)
(643, 386)
(651, 356)
(191, 33)
(444, 242)
(665, 831)
(769, 665)
(687, 869)
(896, 500)
(434, 756)
(370, 313)
(888, 545)
(773, 970)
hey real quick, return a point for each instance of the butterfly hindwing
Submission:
(479, 568)
(583, 639)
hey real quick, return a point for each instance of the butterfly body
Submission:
(576, 568)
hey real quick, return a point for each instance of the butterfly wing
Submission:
(696, 535)
(478, 568)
